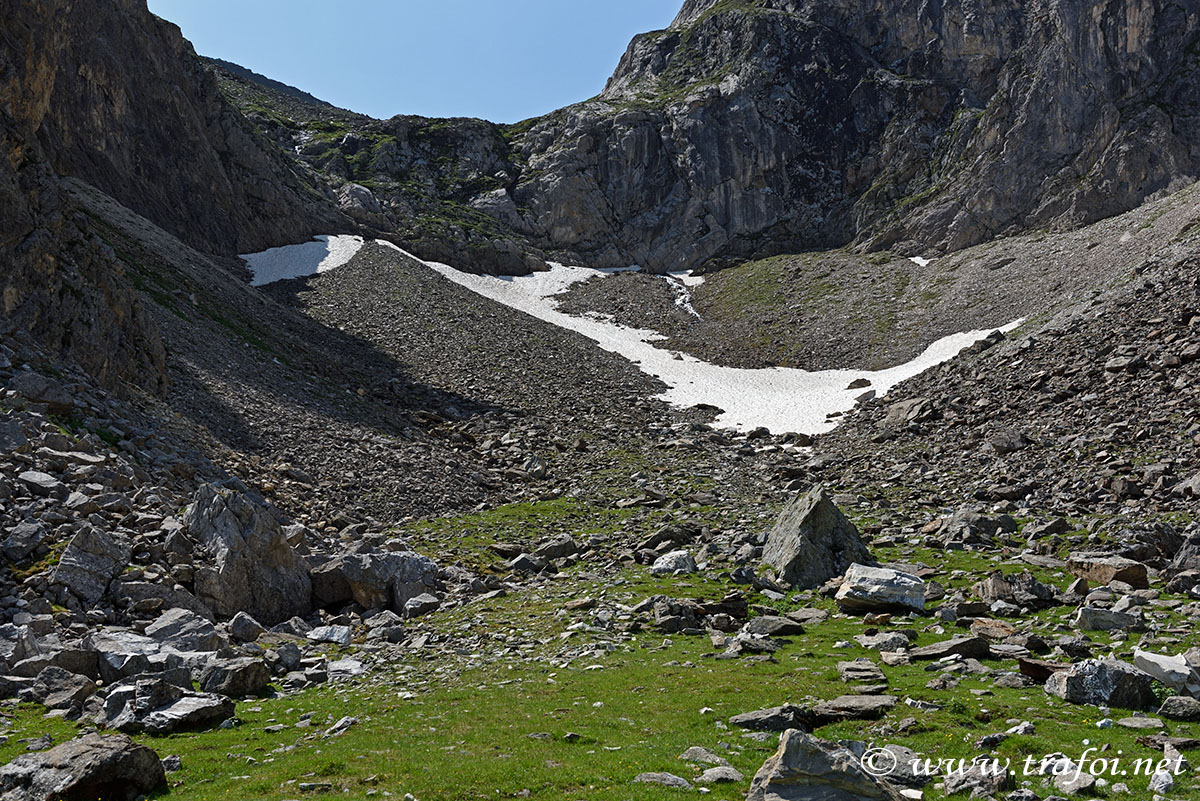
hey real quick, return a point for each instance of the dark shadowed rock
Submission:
(813, 542)
(111, 767)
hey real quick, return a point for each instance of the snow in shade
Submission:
(324, 253)
(777, 398)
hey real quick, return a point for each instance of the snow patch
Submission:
(779, 398)
(920, 262)
(686, 278)
(324, 253)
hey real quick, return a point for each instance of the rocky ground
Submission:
(608, 585)
(368, 534)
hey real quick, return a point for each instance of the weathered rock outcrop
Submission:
(248, 564)
(813, 542)
(754, 127)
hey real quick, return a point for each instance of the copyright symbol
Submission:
(879, 762)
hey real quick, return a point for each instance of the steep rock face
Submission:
(128, 107)
(756, 127)
(61, 284)
(1095, 111)
(751, 128)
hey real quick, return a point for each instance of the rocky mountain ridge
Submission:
(926, 129)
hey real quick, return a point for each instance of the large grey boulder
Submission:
(184, 630)
(806, 768)
(248, 565)
(112, 767)
(868, 589)
(812, 542)
(1104, 682)
(90, 562)
(1174, 671)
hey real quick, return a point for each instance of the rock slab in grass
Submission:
(1104, 568)
(665, 779)
(966, 647)
(114, 768)
(1104, 682)
(806, 768)
(813, 542)
(870, 589)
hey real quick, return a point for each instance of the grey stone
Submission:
(339, 635)
(421, 605)
(244, 628)
(237, 678)
(665, 779)
(40, 389)
(112, 767)
(869, 589)
(184, 630)
(1104, 683)
(813, 542)
(675, 562)
(22, 541)
(158, 707)
(90, 562)
(42, 485)
(805, 768)
(1180, 707)
(1102, 568)
(249, 565)
(776, 718)
(56, 688)
(721, 774)
(1090, 618)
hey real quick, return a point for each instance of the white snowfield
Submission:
(324, 253)
(778, 398)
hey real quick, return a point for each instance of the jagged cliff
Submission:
(753, 127)
(106, 93)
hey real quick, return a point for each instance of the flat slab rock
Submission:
(665, 779)
(967, 647)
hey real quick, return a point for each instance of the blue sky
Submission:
(502, 61)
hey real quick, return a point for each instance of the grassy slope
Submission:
(465, 730)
